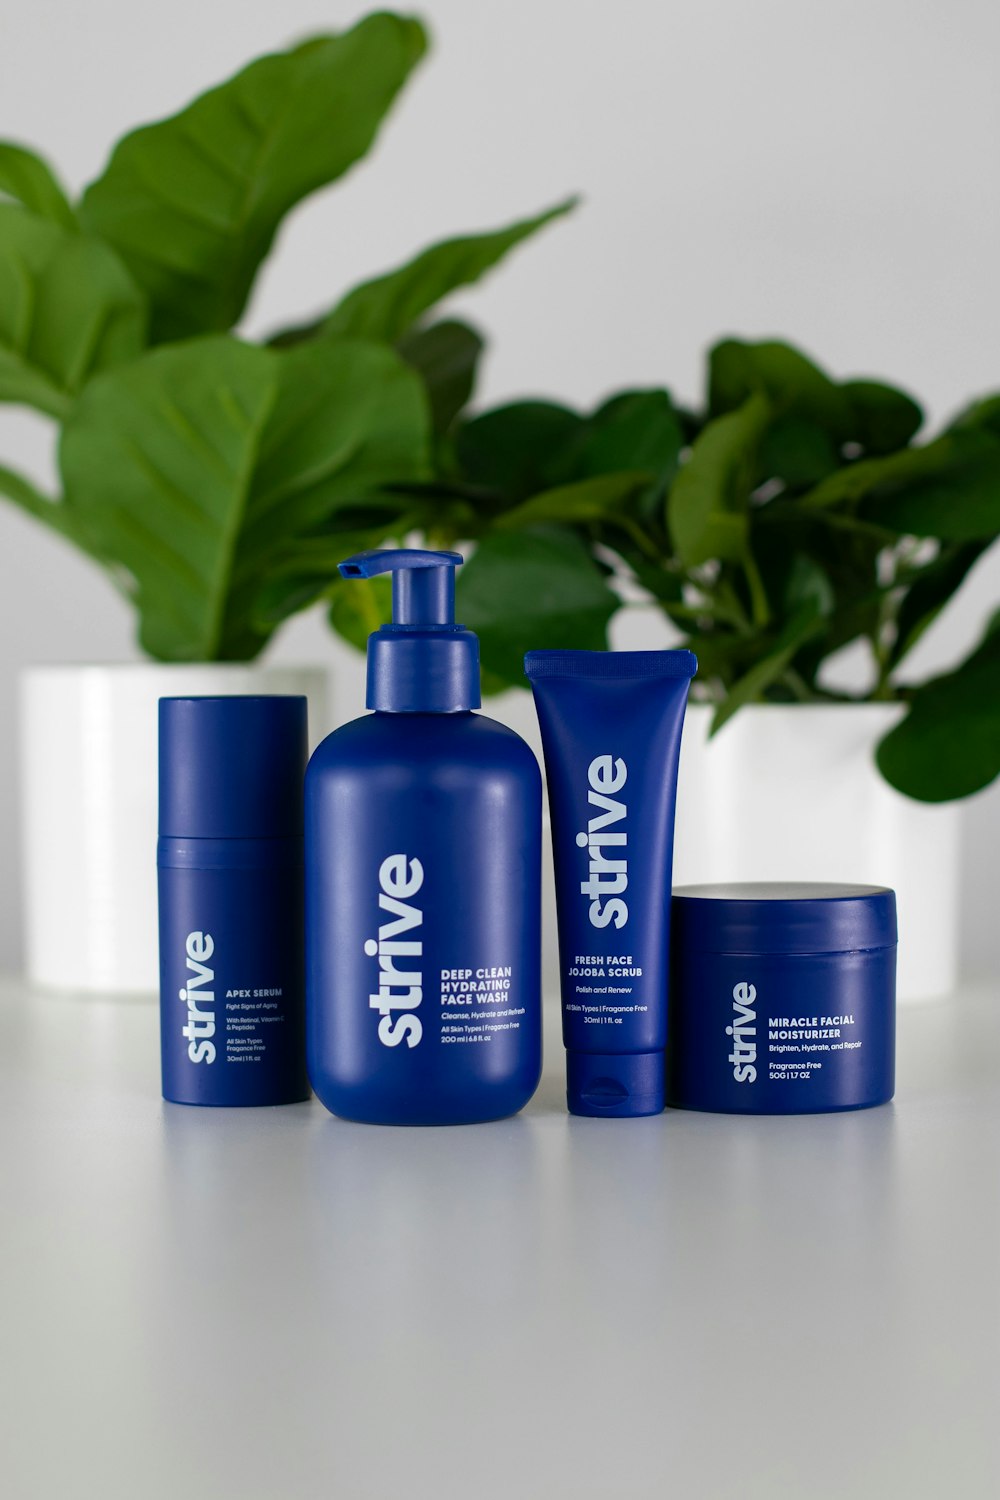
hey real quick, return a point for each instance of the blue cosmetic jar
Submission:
(782, 998)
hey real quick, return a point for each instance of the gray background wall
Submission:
(826, 172)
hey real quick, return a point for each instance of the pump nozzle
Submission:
(423, 662)
(423, 583)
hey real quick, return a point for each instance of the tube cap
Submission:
(232, 768)
(615, 1085)
(423, 662)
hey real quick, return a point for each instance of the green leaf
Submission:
(797, 452)
(722, 656)
(666, 587)
(957, 498)
(882, 418)
(772, 664)
(158, 466)
(296, 333)
(386, 307)
(517, 450)
(855, 616)
(983, 414)
(446, 356)
(304, 570)
(707, 506)
(52, 513)
(31, 181)
(587, 500)
(793, 385)
(948, 745)
(533, 589)
(68, 308)
(876, 416)
(949, 489)
(825, 556)
(792, 568)
(349, 418)
(192, 203)
(528, 448)
(930, 591)
(635, 430)
(808, 587)
(360, 606)
(197, 465)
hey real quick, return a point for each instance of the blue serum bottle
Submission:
(229, 857)
(423, 858)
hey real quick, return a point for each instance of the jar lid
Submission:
(784, 917)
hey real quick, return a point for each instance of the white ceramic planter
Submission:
(794, 794)
(89, 793)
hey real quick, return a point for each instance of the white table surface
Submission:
(276, 1304)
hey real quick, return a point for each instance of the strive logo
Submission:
(199, 996)
(399, 878)
(606, 878)
(744, 1033)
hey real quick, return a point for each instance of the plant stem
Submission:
(760, 608)
(639, 537)
(799, 687)
(732, 603)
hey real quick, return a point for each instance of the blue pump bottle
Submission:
(423, 858)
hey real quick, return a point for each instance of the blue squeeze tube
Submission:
(611, 732)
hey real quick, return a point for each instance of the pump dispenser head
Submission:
(423, 662)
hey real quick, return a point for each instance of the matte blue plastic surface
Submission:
(232, 1007)
(792, 917)
(423, 849)
(423, 662)
(615, 1085)
(611, 730)
(230, 870)
(423, 582)
(232, 767)
(782, 998)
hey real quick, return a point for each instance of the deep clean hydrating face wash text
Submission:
(611, 731)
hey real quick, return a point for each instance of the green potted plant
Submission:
(219, 482)
(789, 517)
(215, 480)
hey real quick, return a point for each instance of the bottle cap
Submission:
(615, 1085)
(232, 767)
(423, 662)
